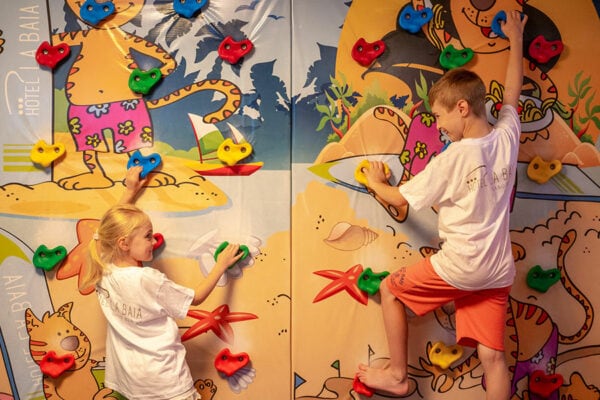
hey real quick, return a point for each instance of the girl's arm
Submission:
(133, 184)
(226, 258)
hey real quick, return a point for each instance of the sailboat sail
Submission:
(209, 138)
(237, 135)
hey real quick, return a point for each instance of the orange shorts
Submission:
(480, 315)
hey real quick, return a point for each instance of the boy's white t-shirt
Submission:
(145, 358)
(471, 183)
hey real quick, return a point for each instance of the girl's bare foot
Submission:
(383, 380)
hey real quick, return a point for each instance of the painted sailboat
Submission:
(209, 138)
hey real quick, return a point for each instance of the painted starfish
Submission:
(75, 262)
(347, 281)
(217, 321)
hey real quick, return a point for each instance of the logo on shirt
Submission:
(129, 312)
(481, 178)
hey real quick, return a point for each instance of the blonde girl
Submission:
(145, 358)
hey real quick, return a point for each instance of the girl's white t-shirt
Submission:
(471, 183)
(145, 358)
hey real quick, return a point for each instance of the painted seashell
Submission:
(347, 237)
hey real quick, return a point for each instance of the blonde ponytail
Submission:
(120, 220)
(95, 267)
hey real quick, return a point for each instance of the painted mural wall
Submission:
(303, 91)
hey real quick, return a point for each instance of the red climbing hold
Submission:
(542, 50)
(54, 366)
(229, 363)
(232, 51)
(49, 56)
(365, 53)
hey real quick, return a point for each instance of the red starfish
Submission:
(342, 281)
(217, 321)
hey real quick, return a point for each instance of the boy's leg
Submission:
(392, 379)
(481, 321)
(495, 368)
(422, 290)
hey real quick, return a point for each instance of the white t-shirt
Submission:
(471, 182)
(145, 358)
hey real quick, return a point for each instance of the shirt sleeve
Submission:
(425, 189)
(508, 120)
(172, 297)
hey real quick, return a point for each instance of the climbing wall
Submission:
(252, 118)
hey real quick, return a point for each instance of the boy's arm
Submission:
(377, 181)
(513, 82)
(133, 184)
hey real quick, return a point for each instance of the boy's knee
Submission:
(489, 356)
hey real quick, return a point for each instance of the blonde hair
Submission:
(459, 84)
(119, 221)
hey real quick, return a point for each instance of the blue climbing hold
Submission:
(188, 8)
(93, 12)
(413, 20)
(148, 163)
(496, 26)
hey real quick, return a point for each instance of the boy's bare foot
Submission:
(382, 379)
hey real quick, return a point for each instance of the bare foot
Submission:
(382, 380)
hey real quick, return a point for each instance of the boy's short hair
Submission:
(459, 84)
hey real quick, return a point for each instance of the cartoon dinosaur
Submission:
(55, 332)
(100, 98)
